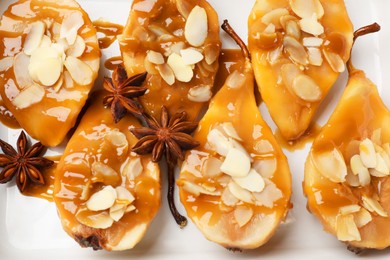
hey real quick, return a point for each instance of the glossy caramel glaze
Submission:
(360, 112)
(110, 31)
(137, 39)
(7, 118)
(299, 144)
(50, 119)
(88, 145)
(113, 62)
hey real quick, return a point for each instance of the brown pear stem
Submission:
(372, 28)
(171, 163)
(230, 31)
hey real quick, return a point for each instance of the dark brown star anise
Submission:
(24, 164)
(122, 92)
(169, 137)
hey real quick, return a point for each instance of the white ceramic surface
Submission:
(30, 228)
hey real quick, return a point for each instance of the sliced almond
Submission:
(235, 80)
(201, 93)
(311, 25)
(155, 57)
(70, 26)
(346, 228)
(266, 167)
(21, 71)
(101, 200)
(133, 168)
(48, 71)
(274, 55)
(367, 153)
(101, 220)
(306, 8)
(29, 96)
(270, 29)
(124, 196)
(103, 173)
(273, 17)
(264, 147)
(289, 73)
(46, 42)
(34, 37)
(352, 179)
(306, 88)
(345, 210)
(240, 193)
(219, 142)
(77, 49)
(376, 136)
(6, 63)
(364, 178)
(374, 206)
(296, 50)
(58, 85)
(117, 212)
(315, 56)
(196, 28)
(68, 80)
(195, 189)
(236, 163)
(331, 165)
(183, 7)
(211, 53)
(228, 198)
(253, 182)
(293, 29)
(211, 167)
(229, 129)
(357, 165)
(182, 71)
(166, 73)
(130, 208)
(268, 196)
(335, 61)
(116, 138)
(362, 218)
(285, 18)
(174, 48)
(191, 56)
(81, 73)
(158, 30)
(243, 215)
(385, 157)
(381, 169)
(312, 42)
(386, 147)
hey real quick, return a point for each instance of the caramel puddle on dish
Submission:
(113, 62)
(46, 191)
(299, 144)
(7, 118)
(110, 31)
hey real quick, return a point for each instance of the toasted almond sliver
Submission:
(228, 198)
(21, 71)
(70, 26)
(117, 213)
(331, 165)
(81, 73)
(133, 168)
(166, 73)
(240, 193)
(201, 93)
(352, 179)
(374, 206)
(315, 56)
(191, 56)
(346, 228)
(312, 42)
(219, 142)
(236, 163)
(124, 196)
(362, 218)
(293, 29)
(243, 215)
(77, 49)
(211, 53)
(296, 50)
(311, 25)
(335, 61)
(34, 37)
(211, 167)
(273, 17)
(349, 209)
(195, 189)
(367, 153)
(289, 73)
(306, 8)
(103, 173)
(58, 85)
(103, 199)
(182, 71)
(306, 88)
(183, 7)
(381, 169)
(235, 80)
(196, 28)
(29, 96)
(101, 220)
(155, 57)
(253, 182)
(357, 164)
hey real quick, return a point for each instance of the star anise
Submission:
(170, 136)
(122, 92)
(24, 164)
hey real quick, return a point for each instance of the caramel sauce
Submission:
(113, 62)
(110, 30)
(51, 118)
(291, 114)
(299, 144)
(45, 191)
(6, 117)
(88, 145)
(138, 39)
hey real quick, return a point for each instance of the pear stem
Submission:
(230, 31)
(372, 28)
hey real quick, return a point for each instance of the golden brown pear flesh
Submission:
(298, 50)
(49, 61)
(236, 212)
(347, 180)
(177, 43)
(106, 196)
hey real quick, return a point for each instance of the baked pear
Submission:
(177, 43)
(236, 185)
(106, 195)
(298, 48)
(347, 172)
(49, 60)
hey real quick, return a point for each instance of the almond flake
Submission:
(29, 96)
(315, 56)
(253, 182)
(48, 71)
(289, 72)
(357, 165)
(266, 167)
(385, 157)
(293, 29)
(273, 17)
(155, 57)
(21, 72)
(101, 220)
(117, 212)
(34, 37)
(243, 215)
(77, 49)
(6, 63)
(346, 228)
(374, 206)
(229, 129)
(104, 174)
(362, 218)
(211, 167)
(70, 26)
(268, 196)
(296, 50)
(211, 53)
(312, 42)
(124, 197)
(345, 210)
(133, 168)
(306, 88)
(58, 85)
(367, 153)
(228, 199)
(191, 56)
(335, 61)
(158, 30)
(116, 138)
(264, 147)
(274, 55)
(195, 189)
(353, 180)
(306, 8)
(201, 93)
(81, 73)
(270, 29)
(166, 73)
(311, 25)
(102, 200)
(182, 71)
(285, 18)
(46, 42)
(236, 163)
(196, 28)
(235, 80)
(183, 7)
(331, 165)
(219, 142)
(130, 208)
(381, 169)
(240, 193)
(376, 136)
